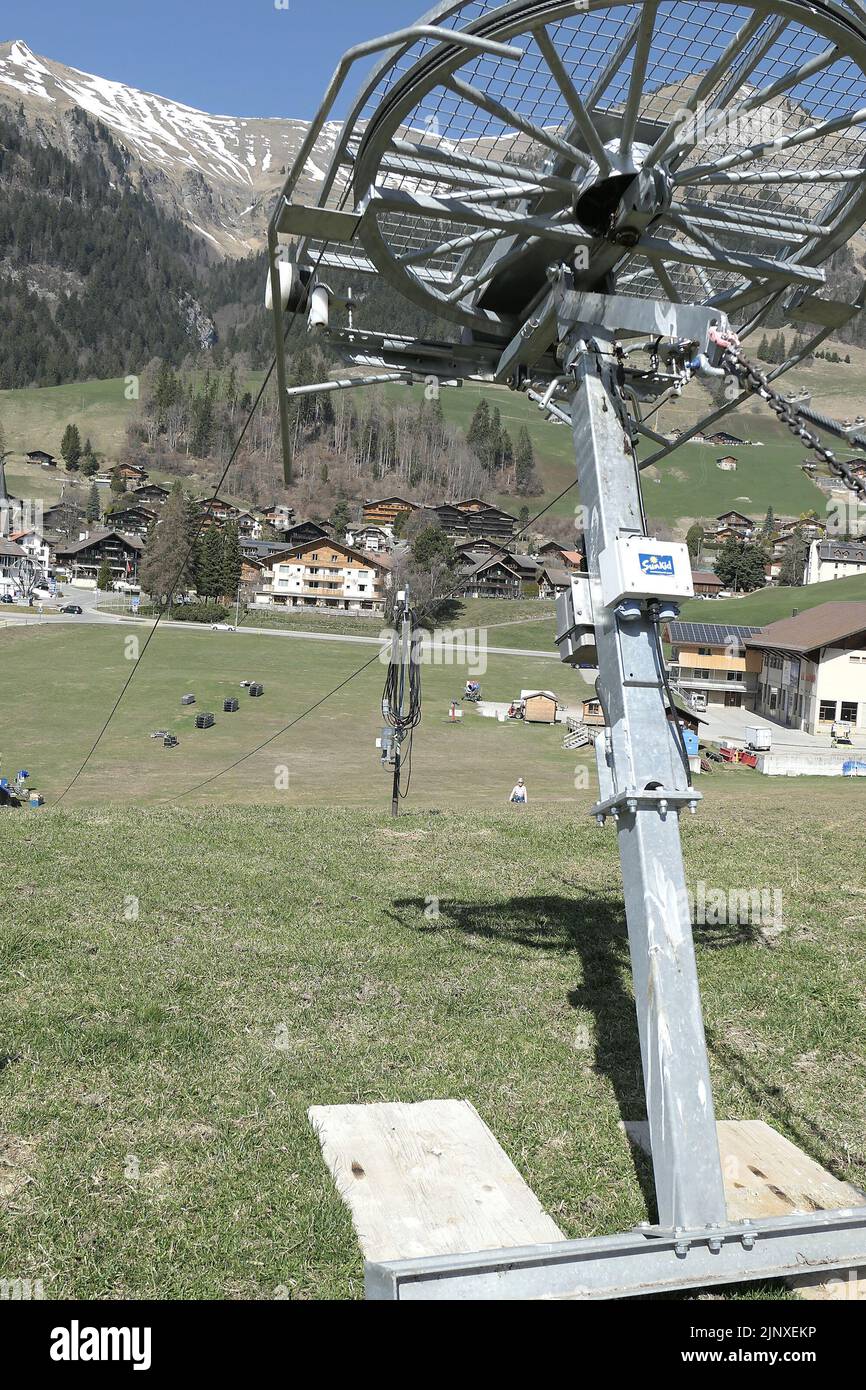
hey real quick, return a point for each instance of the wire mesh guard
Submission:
(475, 173)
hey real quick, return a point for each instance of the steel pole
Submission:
(641, 756)
(280, 352)
(401, 690)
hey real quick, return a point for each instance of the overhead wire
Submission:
(163, 607)
(359, 671)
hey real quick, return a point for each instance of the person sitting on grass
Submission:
(519, 795)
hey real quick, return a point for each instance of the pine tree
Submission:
(89, 464)
(478, 434)
(695, 539)
(103, 578)
(769, 525)
(70, 447)
(231, 563)
(507, 454)
(209, 570)
(526, 479)
(93, 510)
(166, 568)
(494, 444)
(340, 519)
(793, 566)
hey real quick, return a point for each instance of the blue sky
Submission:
(233, 57)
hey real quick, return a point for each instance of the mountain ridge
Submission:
(217, 173)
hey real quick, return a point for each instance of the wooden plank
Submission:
(766, 1175)
(427, 1179)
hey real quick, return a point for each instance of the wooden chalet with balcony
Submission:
(325, 573)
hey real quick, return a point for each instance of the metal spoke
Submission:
(785, 176)
(696, 236)
(761, 221)
(690, 135)
(614, 64)
(493, 168)
(582, 118)
(381, 198)
(738, 262)
(792, 78)
(433, 174)
(445, 248)
(638, 76)
(493, 195)
(487, 271)
(741, 74)
(706, 84)
(782, 142)
(517, 122)
(667, 284)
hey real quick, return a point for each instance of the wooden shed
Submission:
(539, 706)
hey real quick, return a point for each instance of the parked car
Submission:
(71, 608)
(6, 598)
(221, 627)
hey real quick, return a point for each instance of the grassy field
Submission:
(179, 985)
(36, 418)
(72, 675)
(686, 486)
(769, 605)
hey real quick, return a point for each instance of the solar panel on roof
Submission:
(709, 634)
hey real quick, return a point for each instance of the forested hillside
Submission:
(94, 279)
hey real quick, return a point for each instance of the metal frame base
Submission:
(641, 1262)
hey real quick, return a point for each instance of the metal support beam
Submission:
(643, 755)
(637, 1263)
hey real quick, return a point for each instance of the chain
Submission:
(751, 379)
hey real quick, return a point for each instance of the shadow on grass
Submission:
(593, 926)
(774, 1104)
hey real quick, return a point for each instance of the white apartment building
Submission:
(324, 573)
(835, 560)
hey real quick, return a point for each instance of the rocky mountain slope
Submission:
(218, 174)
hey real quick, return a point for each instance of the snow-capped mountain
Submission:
(218, 173)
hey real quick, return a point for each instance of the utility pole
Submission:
(401, 698)
(401, 644)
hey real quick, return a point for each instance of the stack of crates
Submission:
(231, 704)
(256, 688)
(187, 699)
(169, 741)
(204, 721)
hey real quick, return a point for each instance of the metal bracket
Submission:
(632, 800)
(637, 1263)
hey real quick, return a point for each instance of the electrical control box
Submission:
(575, 630)
(641, 567)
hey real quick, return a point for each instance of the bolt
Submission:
(748, 1239)
(715, 1245)
(600, 821)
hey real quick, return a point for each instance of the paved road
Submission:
(86, 598)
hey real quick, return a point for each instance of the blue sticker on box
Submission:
(656, 564)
